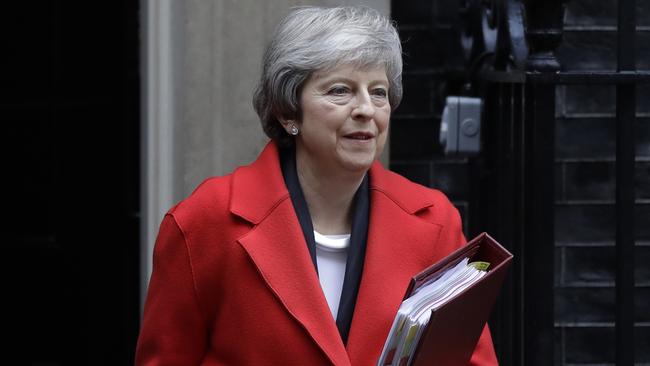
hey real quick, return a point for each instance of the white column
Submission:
(157, 127)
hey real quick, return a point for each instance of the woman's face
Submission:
(345, 116)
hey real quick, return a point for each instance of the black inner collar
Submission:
(358, 237)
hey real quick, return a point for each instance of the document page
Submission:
(415, 312)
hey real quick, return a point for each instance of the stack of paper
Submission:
(415, 312)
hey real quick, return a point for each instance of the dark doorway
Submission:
(71, 100)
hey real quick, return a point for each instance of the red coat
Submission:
(233, 282)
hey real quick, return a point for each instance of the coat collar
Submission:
(259, 195)
(258, 188)
(255, 204)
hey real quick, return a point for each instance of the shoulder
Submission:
(206, 203)
(237, 194)
(424, 203)
(428, 203)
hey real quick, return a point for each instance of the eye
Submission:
(380, 92)
(338, 90)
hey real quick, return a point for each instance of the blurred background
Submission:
(117, 110)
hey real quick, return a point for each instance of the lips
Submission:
(360, 136)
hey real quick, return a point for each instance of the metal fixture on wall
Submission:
(460, 127)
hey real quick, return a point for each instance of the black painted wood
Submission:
(70, 113)
(626, 120)
(538, 218)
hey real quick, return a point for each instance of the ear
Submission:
(286, 123)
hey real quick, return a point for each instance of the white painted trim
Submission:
(157, 150)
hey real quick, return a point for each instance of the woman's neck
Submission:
(328, 196)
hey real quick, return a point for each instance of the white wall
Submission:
(201, 61)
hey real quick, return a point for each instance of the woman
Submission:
(302, 258)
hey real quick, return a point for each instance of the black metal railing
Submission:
(625, 121)
(510, 48)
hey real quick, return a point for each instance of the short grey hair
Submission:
(315, 39)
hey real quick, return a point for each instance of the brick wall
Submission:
(585, 190)
(585, 166)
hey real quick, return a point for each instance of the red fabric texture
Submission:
(233, 282)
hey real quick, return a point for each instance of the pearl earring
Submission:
(293, 130)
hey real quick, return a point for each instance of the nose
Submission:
(364, 109)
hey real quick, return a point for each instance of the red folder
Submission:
(455, 327)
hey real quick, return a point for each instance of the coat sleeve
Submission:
(173, 330)
(452, 233)
(484, 351)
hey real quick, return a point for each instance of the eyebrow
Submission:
(323, 79)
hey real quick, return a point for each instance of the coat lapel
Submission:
(277, 247)
(400, 244)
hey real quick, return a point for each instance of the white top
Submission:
(331, 256)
